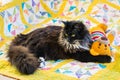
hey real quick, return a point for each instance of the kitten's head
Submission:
(75, 36)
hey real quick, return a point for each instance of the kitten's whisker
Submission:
(86, 48)
(77, 44)
(70, 46)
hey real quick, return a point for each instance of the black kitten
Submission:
(52, 43)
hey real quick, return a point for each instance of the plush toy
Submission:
(100, 47)
(98, 31)
(101, 44)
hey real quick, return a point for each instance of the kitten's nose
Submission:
(70, 41)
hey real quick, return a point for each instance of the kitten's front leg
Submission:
(102, 59)
(87, 57)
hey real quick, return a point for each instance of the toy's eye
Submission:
(99, 44)
(105, 45)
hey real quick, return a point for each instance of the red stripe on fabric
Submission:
(98, 32)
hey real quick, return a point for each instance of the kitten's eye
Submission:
(73, 35)
(66, 34)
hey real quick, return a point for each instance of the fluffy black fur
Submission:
(52, 43)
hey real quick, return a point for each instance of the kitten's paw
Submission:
(104, 59)
(42, 62)
(112, 60)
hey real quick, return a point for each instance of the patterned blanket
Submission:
(67, 70)
(26, 15)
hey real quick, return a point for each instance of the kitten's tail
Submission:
(25, 61)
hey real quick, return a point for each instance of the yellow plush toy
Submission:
(101, 44)
(100, 47)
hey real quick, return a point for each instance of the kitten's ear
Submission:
(77, 26)
(64, 22)
(80, 25)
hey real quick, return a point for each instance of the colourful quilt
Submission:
(26, 15)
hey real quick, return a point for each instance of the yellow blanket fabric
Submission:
(22, 16)
(111, 72)
(8, 70)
